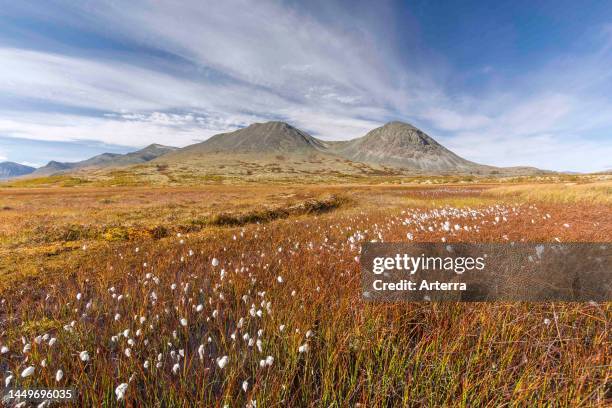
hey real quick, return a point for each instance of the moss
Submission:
(116, 234)
(35, 327)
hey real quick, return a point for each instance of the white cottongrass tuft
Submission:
(84, 355)
(184, 322)
(303, 348)
(201, 352)
(245, 386)
(215, 262)
(27, 372)
(222, 362)
(120, 391)
(59, 375)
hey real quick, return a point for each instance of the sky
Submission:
(500, 83)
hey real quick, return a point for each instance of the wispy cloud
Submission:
(185, 72)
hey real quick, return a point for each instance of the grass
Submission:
(59, 243)
(237, 170)
(564, 193)
(312, 206)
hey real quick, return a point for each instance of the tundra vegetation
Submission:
(229, 294)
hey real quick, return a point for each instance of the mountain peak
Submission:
(57, 165)
(263, 138)
(272, 124)
(399, 135)
(157, 146)
(400, 144)
(272, 127)
(398, 123)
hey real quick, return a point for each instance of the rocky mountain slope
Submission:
(401, 145)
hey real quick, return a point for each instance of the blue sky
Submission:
(502, 83)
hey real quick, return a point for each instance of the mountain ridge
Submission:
(395, 148)
(102, 160)
(10, 169)
(267, 137)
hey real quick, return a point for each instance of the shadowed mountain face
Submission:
(11, 169)
(108, 160)
(398, 144)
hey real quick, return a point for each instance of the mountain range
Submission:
(277, 147)
(106, 160)
(11, 169)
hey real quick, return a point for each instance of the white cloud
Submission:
(250, 62)
(542, 151)
(113, 86)
(58, 127)
(31, 164)
(447, 119)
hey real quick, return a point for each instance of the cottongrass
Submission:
(120, 391)
(222, 362)
(27, 372)
(290, 323)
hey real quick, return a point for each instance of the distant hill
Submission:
(279, 150)
(11, 169)
(262, 149)
(104, 160)
(258, 138)
(396, 147)
(269, 137)
(399, 144)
